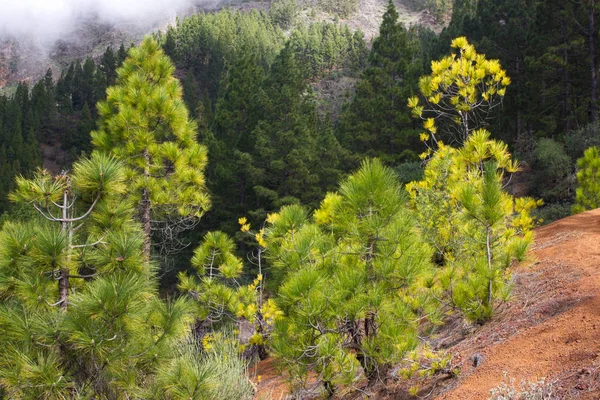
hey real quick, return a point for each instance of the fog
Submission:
(45, 21)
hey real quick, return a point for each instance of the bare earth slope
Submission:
(551, 328)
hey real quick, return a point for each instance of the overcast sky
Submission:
(47, 20)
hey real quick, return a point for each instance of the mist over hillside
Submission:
(46, 22)
(37, 35)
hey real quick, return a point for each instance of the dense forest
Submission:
(200, 185)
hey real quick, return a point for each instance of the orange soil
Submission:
(549, 329)
(552, 327)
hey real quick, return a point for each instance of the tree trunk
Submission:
(63, 277)
(592, 48)
(63, 288)
(369, 369)
(145, 204)
(488, 244)
(329, 389)
(566, 93)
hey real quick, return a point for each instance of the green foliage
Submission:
(341, 8)
(205, 43)
(587, 196)
(410, 171)
(145, 123)
(214, 287)
(81, 313)
(284, 13)
(376, 123)
(351, 291)
(216, 373)
(321, 48)
(549, 213)
(582, 139)
(19, 125)
(477, 229)
(553, 171)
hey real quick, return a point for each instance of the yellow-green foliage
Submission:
(477, 229)
(214, 287)
(462, 88)
(352, 280)
(587, 196)
(213, 371)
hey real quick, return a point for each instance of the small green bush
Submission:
(284, 13)
(587, 196)
(212, 371)
(553, 171)
(552, 212)
(580, 140)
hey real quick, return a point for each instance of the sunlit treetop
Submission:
(463, 88)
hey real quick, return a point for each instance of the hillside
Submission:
(550, 329)
(23, 59)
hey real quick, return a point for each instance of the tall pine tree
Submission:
(145, 123)
(377, 121)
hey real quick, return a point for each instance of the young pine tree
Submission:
(460, 94)
(477, 229)
(350, 292)
(145, 123)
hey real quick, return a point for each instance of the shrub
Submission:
(581, 139)
(209, 372)
(587, 196)
(552, 167)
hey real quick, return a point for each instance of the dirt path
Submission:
(552, 327)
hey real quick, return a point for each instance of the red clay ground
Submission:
(550, 329)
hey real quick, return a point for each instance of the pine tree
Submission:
(461, 92)
(64, 91)
(231, 171)
(108, 65)
(504, 31)
(145, 123)
(351, 280)
(377, 121)
(285, 144)
(80, 312)
(476, 228)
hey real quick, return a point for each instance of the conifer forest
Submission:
(250, 184)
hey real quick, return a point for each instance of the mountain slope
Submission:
(24, 59)
(551, 328)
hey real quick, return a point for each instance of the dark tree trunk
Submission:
(329, 389)
(146, 223)
(63, 288)
(566, 92)
(145, 204)
(591, 34)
